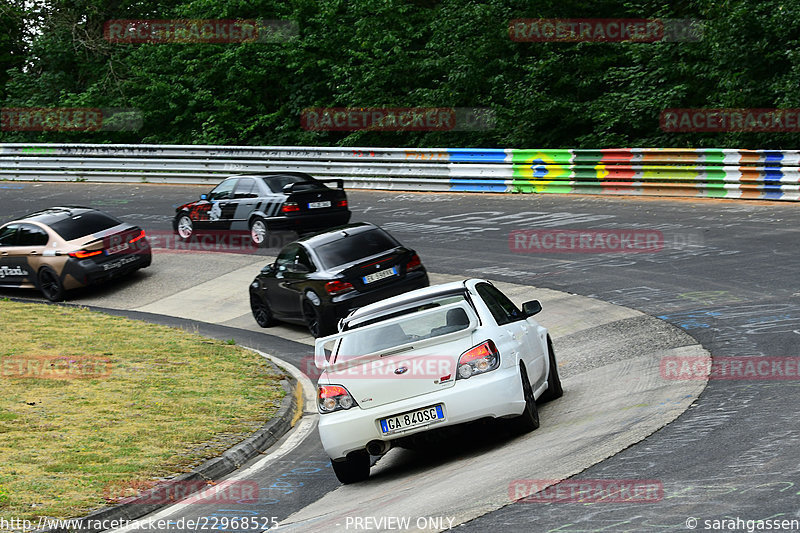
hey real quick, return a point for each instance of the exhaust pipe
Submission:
(379, 447)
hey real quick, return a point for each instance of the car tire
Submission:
(352, 469)
(554, 389)
(261, 311)
(50, 284)
(258, 232)
(314, 321)
(185, 227)
(529, 419)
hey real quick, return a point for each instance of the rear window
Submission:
(417, 326)
(410, 308)
(277, 183)
(355, 247)
(83, 224)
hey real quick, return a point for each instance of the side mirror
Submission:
(531, 308)
(204, 197)
(269, 269)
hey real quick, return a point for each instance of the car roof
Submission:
(303, 175)
(335, 234)
(54, 214)
(425, 293)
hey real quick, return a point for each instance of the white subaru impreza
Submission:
(427, 359)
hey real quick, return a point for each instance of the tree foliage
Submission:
(403, 53)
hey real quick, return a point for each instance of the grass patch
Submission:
(91, 402)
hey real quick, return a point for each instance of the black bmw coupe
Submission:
(317, 280)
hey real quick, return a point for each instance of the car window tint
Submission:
(30, 235)
(423, 323)
(503, 310)
(8, 234)
(223, 191)
(302, 258)
(83, 224)
(351, 248)
(287, 255)
(413, 307)
(244, 188)
(507, 305)
(277, 183)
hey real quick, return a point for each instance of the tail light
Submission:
(338, 287)
(414, 263)
(83, 254)
(478, 360)
(341, 203)
(138, 237)
(332, 398)
(290, 207)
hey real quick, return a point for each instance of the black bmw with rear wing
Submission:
(262, 203)
(312, 206)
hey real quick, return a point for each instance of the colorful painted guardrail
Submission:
(716, 173)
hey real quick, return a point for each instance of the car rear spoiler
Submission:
(289, 187)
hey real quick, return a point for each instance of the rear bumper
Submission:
(492, 395)
(340, 306)
(88, 272)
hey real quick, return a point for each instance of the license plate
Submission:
(117, 263)
(420, 417)
(317, 205)
(116, 249)
(379, 275)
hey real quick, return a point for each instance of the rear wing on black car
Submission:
(289, 187)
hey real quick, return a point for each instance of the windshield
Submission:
(416, 324)
(83, 224)
(354, 247)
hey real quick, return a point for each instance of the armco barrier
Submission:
(715, 173)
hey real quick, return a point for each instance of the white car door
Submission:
(520, 334)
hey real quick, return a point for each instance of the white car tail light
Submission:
(478, 360)
(332, 398)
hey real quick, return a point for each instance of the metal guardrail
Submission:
(720, 173)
